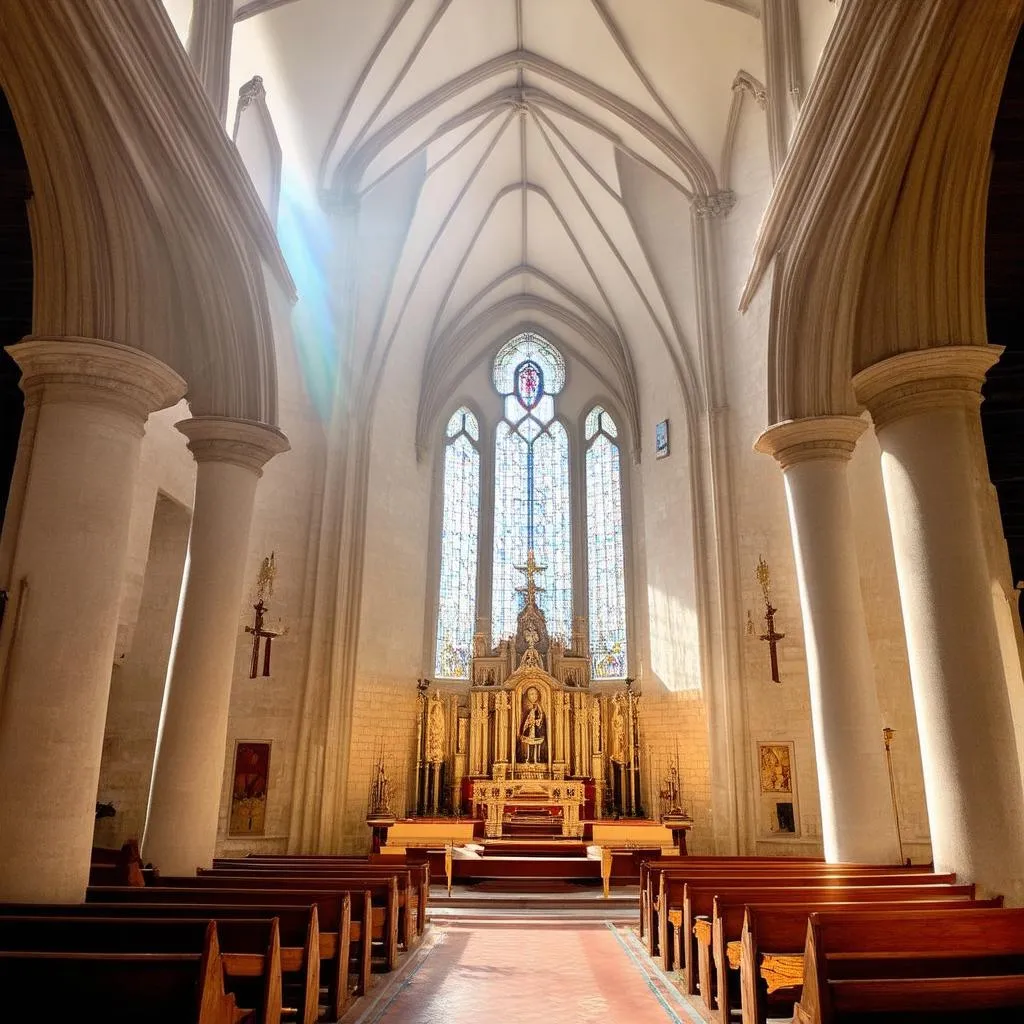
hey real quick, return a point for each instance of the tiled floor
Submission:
(527, 972)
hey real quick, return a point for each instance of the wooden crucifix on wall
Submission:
(259, 634)
(264, 590)
(771, 636)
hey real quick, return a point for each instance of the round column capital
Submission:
(812, 438)
(89, 370)
(948, 376)
(245, 443)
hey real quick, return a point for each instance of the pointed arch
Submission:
(606, 566)
(460, 538)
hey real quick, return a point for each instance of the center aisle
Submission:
(524, 972)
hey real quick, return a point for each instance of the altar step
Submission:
(527, 872)
(526, 848)
(584, 903)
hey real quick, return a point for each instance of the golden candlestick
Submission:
(887, 735)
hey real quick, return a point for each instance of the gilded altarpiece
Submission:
(531, 745)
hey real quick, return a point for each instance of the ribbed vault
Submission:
(522, 128)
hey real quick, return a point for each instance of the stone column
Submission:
(185, 795)
(922, 404)
(209, 47)
(856, 806)
(68, 559)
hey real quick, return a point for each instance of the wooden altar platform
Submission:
(536, 863)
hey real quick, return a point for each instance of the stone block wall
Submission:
(676, 724)
(384, 715)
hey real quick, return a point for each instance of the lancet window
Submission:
(605, 555)
(533, 489)
(531, 485)
(460, 532)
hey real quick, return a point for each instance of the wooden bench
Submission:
(254, 944)
(695, 898)
(656, 872)
(673, 862)
(768, 954)
(916, 965)
(116, 867)
(657, 877)
(120, 988)
(383, 895)
(700, 920)
(411, 901)
(419, 874)
(418, 869)
(298, 929)
(346, 923)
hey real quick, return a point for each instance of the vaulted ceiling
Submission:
(536, 133)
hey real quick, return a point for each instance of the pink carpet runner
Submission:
(521, 973)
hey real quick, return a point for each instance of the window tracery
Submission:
(460, 532)
(605, 550)
(532, 509)
(531, 484)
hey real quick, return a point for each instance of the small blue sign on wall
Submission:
(661, 440)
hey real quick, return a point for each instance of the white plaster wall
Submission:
(668, 543)
(180, 13)
(285, 522)
(390, 642)
(770, 711)
(816, 20)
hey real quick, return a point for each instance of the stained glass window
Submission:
(460, 528)
(607, 583)
(531, 486)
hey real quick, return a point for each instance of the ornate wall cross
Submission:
(530, 570)
(258, 634)
(264, 590)
(771, 636)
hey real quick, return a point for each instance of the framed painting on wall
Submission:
(661, 440)
(249, 787)
(778, 813)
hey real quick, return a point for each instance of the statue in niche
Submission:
(533, 731)
(531, 656)
(435, 731)
(618, 751)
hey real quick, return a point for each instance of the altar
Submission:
(530, 737)
(551, 799)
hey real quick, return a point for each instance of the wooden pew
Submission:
(120, 988)
(255, 944)
(769, 953)
(411, 904)
(419, 874)
(298, 928)
(659, 927)
(695, 898)
(672, 862)
(741, 895)
(383, 893)
(346, 922)
(656, 871)
(419, 870)
(116, 867)
(919, 965)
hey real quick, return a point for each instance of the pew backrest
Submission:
(159, 988)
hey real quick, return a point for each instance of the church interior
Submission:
(486, 476)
